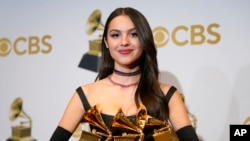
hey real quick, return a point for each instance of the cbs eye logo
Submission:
(25, 45)
(5, 47)
(187, 35)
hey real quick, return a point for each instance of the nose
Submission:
(125, 41)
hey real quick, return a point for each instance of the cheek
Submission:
(138, 47)
(112, 44)
(140, 51)
(112, 52)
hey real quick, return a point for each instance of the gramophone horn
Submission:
(121, 121)
(94, 117)
(141, 117)
(94, 22)
(16, 110)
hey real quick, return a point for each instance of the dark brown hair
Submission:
(148, 89)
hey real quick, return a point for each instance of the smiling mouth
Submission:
(125, 51)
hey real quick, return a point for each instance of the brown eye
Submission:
(134, 34)
(115, 35)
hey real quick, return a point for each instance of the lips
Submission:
(125, 51)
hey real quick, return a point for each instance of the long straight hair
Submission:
(148, 90)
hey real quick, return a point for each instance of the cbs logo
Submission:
(187, 35)
(23, 45)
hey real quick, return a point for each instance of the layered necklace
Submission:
(124, 74)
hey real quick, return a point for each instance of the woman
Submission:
(127, 80)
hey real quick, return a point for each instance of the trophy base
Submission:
(90, 62)
(21, 139)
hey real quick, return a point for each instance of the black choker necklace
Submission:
(127, 73)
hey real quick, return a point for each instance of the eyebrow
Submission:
(117, 30)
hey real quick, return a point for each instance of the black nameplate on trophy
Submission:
(21, 140)
(90, 62)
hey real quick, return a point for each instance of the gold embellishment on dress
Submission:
(93, 117)
(122, 129)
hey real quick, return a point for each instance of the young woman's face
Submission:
(123, 42)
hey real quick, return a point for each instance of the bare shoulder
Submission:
(94, 89)
(177, 96)
(165, 87)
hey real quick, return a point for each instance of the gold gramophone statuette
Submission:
(123, 129)
(130, 131)
(21, 132)
(93, 117)
(92, 59)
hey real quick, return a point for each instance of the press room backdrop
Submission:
(203, 49)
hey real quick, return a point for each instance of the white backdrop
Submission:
(47, 40)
